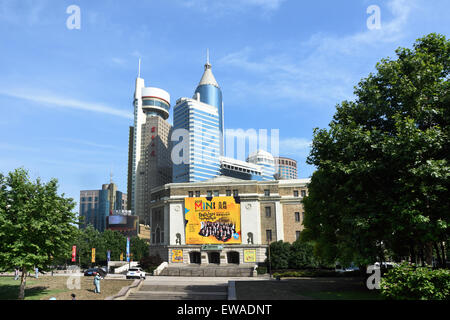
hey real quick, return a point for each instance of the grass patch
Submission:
(46, 286)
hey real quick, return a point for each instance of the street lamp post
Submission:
(270, 266)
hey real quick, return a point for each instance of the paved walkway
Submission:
(185, 288)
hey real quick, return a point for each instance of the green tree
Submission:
(115, 242)
(382, 180)
(36, 224)
(279, 255)
(139, 248)
(302, 255)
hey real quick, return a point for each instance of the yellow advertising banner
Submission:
(177, 256)
(121, 256)
(212, 222)
(249, 255)
(93, 255)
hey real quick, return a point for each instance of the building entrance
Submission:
(195, 257)
(214, 257)
(233, 257)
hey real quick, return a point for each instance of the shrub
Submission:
(261, 270)
(408, 282)
(279, 255)
(150, 263)
(302, 256)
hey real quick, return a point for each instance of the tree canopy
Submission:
(382, 180)
(36, 224)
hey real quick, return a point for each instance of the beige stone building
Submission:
(269, 211)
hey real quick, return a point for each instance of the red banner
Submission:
(74, 253)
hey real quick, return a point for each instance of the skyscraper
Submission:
(96, 205)
(149, 152)
(209, 92)
(200, 122)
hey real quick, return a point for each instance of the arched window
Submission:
(233, 257)
(158, 235)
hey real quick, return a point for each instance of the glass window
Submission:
(297, 217)
(297, 235)
(303, 193)
(197, 194)
(209, 193)
(228, 193)
(266, 192)
(269, 235)
(191, 194)
(216, 193)
(295, 193)
(236, 193)
(268, 212)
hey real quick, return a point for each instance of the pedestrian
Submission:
(97, 279)
(36, 271)
(73, 296)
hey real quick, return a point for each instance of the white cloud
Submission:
(322, 70)
(295, 147)
(50, 99)
(24, 12)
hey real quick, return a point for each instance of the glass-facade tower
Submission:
(201, 141)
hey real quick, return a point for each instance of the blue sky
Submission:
(66, 95)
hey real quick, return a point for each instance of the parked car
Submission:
(91, 271)
(136, 273)
(350, 268)
(386, 265)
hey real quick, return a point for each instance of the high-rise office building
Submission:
(286, 168)
(200, 122)
(149, 163)
(96, 205)
(208, 91)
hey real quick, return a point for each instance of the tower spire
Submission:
(139, 69)
(207, 65)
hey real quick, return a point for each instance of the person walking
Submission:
(16, 273)
(73, 296)
(97, 279)
(36, 271)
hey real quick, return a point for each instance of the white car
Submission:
(136, 273)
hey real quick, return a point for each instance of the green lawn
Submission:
(9, 289)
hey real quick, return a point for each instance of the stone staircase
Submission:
(180, 292)
(207, 271)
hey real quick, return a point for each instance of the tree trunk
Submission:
(429, 253)
(422, 256)
(413, 254)
(444, 259)
(440, 260)
(23, 282)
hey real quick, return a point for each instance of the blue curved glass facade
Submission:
(212, 95)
